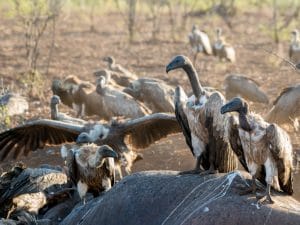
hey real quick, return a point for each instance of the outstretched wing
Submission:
(280, 146)
(146, 130)
(225, 159)
(180, 99)
(35, 135)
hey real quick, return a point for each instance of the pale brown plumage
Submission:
(258, 143)
(286, 107)
(140, 133)
(91, 168)
(154, 93)
(239, 85)
(201, 122)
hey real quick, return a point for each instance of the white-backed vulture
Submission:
(63, 89)
(222, 49)
(199, 42)
(56, 115)
(118, 103)
(30, 189)
(13, 104)
(114, 78)
(201, 122)
(125, 77)
(294, 51)
(154, 93)
(265, 145)
(138, 133)
(286, 107)
(91, 168)
(241, 86)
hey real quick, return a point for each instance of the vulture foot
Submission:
(266, 198)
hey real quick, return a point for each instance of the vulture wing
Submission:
(35, 135)
(225, 159)
(179, 100)
(280, 146)
(205, 42)
(148, 129)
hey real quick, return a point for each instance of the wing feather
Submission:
(146, 130)
(36, 134)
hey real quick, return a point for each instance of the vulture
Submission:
(114, 78)
(222, 49)
(90, 167)
(286, 107)
(138, 133)
(154, 93)
(125, 77)
(118, 103)
(31, 189)
(64, 88)
(199, 42)
(294, 51)
(263, 144)
(241, 86)
(201, 122)
(55, 115)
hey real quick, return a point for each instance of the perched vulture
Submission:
(222, 49)
(241, 86)
(139, 133)
(294, 51)
(199, 42)
(263, 144)
(120, 75)
(118, 103)
(91, 168)
(201, 122)
(286, 107)
(154, 93)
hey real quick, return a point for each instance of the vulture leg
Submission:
(195, 58)
(197, 169)
(266, 198)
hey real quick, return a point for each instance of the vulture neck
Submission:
(194, 80)
(54, 111)
(244, 120)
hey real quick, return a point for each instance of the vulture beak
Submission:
(106, 151)
(233, 105)
(177, 62)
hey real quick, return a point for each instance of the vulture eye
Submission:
(101, 136)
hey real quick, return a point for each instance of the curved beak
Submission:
(106, 152)
(233, 105)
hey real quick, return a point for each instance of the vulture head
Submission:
(109, 59)
(103, 73)
(98, 132)
(55, 100)
(100, 84)
(295, 34)
(219, 31)
(235, 105)
(97, 159)
(179, 61)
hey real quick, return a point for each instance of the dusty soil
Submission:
(79, 51)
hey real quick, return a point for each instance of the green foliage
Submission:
(33, 82)
(5, 121)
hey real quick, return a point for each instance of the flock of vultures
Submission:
(140, 112)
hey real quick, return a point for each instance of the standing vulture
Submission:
(199, 42)
(139, 133)
(294, 51)
(154, 93)
(125, 76)
(91, 168)
(222, 49)
(201, 122)
(286, 107)
(265, 145)
(241, 86)
(118, 103)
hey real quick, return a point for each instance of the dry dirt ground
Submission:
(78, 51)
